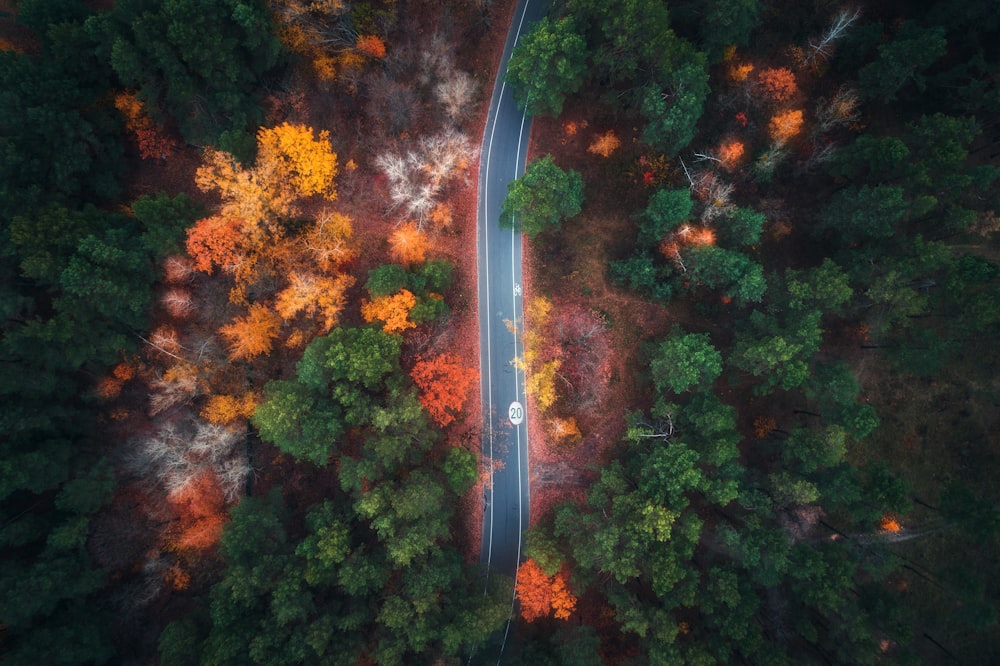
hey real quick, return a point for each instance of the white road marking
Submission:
(516, 413)
(494, 112)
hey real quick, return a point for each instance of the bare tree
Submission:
(716, 193)
(822, 48)
(455, 93)
(839, 111)
(820, 155)
(417, 178)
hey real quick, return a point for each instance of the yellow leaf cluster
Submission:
(786, 125)
(328, 240)
(541, 383)
(605, 144)
(291, 163)
(291, 154)
(393, 310)
(740, 72)
(224, 409)
(252, 335)
(317, 296)
(564, 431)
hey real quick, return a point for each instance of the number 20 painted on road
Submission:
(516, 413)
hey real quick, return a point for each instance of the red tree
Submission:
(201, 508)
(444, 385)
(533, 591)
(563, 601)
(778, 84)
(215, 241)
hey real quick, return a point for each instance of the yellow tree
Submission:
(317, 296)
(408, 244)
(328, 241)
(296, 159)
(394, 310)
(247, 237)
(252, 335)
(605, 144)
(785, 125)
(292, 162)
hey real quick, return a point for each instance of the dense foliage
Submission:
(807, 469)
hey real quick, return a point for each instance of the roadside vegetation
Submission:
(762, 301)
(788, 241)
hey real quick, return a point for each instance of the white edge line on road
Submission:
(486, 230)
(503, 87)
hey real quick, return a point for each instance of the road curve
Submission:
(505, 144)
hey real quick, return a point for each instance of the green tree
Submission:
(727, 22)
(664, 213)
(672, 110)
(195, 62)
(542, 198)
(858, 214)
(903, 60)
(716, 267)
(299, 421)
(685, 360)
(549, 63)
(164, 220)
(742, 227)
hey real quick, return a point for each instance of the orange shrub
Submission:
(533, 591)
(889, 523)
(763, 425)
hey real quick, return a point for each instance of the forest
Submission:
(239, 344)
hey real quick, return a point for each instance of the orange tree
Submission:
(444, 385)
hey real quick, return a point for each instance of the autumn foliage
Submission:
(371, 46)
(444, 385)
(564, 431)
(534, 591)
(292, 162)
(740, 72)
(224, 409)
(763, 426)
(408, 244)
(777, 84)
(563, 601)
(393, 310)
(252, 335)
(605, 144)
(731, 154)
(889, 523)
(317, 296)
(201, 508)
(215, 241)
(540, 595)
(785, 125)
(151, 140)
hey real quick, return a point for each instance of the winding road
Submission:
(505, 436)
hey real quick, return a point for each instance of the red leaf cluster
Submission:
(444, 385)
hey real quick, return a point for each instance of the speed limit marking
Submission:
(516, 413)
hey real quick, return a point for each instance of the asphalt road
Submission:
(505, 439)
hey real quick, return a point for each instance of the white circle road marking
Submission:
(516, 413)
